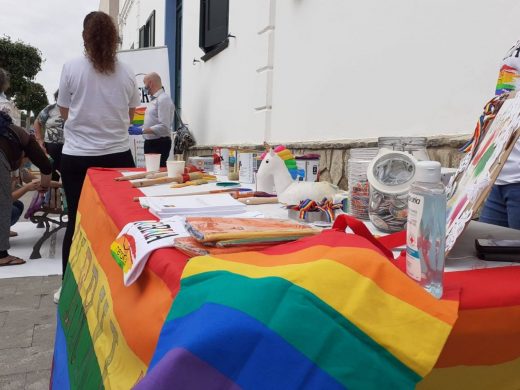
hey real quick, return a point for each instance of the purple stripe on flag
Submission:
(187, 371)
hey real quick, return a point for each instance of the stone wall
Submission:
(335, 155)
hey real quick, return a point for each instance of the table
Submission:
(107, 333)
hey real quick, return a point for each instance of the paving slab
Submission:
(12, 382)
(19, 336)
(43, 335)
(20, 301)
(27, 329)
(23, 360)
(37, 380)
(3, 317)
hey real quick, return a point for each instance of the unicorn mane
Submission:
(288, 159)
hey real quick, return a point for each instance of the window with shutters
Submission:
(147, 32)
(214, 26)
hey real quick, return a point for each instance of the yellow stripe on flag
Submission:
(411, 335)
(119, 366)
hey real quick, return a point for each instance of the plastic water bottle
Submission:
(426, 228)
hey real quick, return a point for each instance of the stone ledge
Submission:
(454, 141)
(334, 155)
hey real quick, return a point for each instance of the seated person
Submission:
(18, 206)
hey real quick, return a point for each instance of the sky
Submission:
(53, 26)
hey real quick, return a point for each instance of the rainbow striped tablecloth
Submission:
(322, 313)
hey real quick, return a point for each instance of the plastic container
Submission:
(175, 168)
(152, 162)
(359, 193)
(390, 175)
(426, 230)
(416, 146)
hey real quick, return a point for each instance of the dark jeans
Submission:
(73, 173)
(161, 146)
(502, 206)
(54, 150)
(16, 211)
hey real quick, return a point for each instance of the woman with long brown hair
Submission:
(97, 100)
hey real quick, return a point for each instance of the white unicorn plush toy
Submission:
(277, 170)
(278, 173)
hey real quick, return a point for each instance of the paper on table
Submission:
(213, 204)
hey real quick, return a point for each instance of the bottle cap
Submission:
(428, 171)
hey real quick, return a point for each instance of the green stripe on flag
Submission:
(314, 328)
(84, 372)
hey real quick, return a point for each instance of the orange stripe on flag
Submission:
(358, 259)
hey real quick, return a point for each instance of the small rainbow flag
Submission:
(328, 312)
(139, 116)
(507, 79)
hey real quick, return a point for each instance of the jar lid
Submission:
(392, 172)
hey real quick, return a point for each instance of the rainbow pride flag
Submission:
(327, 312)
(139, 116)
(507, 79)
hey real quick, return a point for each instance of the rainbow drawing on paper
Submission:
(507, 79)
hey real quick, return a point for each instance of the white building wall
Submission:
(357, 69)
(345, 69)
(219, 96)
(133, 14)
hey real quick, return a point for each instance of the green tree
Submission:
(23, 62)
(32, 97)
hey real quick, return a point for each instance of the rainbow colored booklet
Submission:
(247, 230)
(192, 248)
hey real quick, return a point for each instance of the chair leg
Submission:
(48, 233)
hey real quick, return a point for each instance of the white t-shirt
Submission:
(509, 80)
(98, 105)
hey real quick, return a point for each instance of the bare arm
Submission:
(131, 112)
(32, 186)
(64, 112)
(39, 131)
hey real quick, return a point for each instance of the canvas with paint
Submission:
(495, 136)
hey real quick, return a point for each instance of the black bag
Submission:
(182, 137)
(5, 129)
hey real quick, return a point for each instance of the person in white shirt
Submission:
(158, 119)
(97, 99)
(502, 206)
(6, 104)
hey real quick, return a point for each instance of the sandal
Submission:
(11, 260)
(12, 234)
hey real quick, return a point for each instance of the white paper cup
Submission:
(175, 168)
(152, 162)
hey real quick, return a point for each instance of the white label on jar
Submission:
(413, 260)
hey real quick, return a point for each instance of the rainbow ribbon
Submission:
(327, 206)
(490, 111)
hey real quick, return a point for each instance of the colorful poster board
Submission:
(480, 167)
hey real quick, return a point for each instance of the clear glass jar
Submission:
(358, 187)
(390, 176)
(416, 146)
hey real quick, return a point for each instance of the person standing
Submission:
(49, 133)
(15, 142)
(7, 105)
(97, 99)
(158, 119)
(502, 206)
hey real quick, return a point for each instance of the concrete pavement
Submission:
(27, 326)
